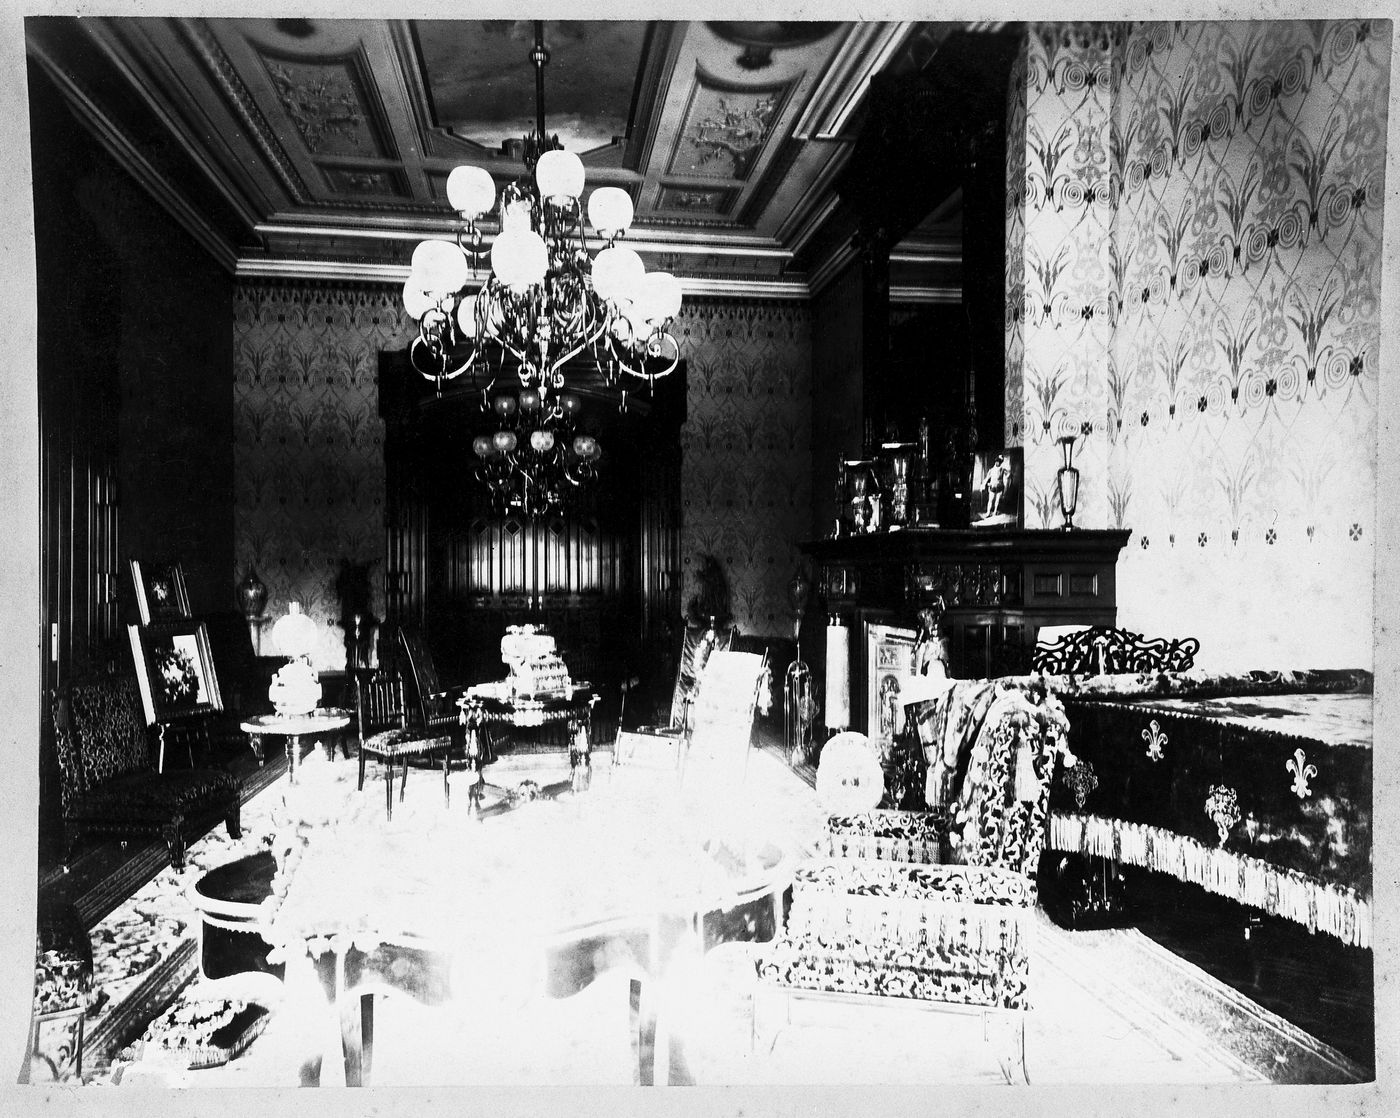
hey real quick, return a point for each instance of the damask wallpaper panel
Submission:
(309, 457)
(1239, 276)
(746, 481)
(1252, 160)
(308, 453)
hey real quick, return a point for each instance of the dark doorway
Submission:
(597, 575)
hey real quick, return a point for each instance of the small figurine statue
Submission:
(930, 646)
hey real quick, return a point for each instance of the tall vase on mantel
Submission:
(1067, 482)
(252, 595)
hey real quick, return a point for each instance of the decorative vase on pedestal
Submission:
(1067, 481)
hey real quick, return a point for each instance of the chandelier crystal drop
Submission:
(546, 300)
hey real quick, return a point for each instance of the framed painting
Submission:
(175, 670)
(889, 661)
(160, 592)
(996, 489)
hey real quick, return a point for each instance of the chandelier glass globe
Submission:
(546, 300)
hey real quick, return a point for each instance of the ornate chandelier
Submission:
(546, 300)
(538, 460)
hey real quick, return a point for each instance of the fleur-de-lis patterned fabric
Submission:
(309, 443)
(746, 481)
(1194, 236)
(309, 459)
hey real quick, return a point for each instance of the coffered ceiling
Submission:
(321, 148)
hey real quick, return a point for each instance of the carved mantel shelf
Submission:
(999, 586)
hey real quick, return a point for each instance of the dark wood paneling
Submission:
(135, 404)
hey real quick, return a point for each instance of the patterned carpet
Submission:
(1109, 1007)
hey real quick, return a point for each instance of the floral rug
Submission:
(1091, 1022)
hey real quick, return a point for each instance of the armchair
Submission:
(108, 784)
(874, 920)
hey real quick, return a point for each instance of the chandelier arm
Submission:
(635, 361)
(432, 360)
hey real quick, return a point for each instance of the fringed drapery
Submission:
(1334, 909)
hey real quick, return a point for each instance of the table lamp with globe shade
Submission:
(295, 688)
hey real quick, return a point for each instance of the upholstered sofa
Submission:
(110, 787)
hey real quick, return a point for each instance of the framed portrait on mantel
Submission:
(996, 489)
(175, 670)
(160, 592)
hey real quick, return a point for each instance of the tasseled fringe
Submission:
(1334, 909)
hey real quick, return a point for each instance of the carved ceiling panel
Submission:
(329, 141)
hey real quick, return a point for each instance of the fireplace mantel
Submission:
(999, 586)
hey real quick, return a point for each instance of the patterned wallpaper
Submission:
(746, 482)
(308, 455)
(309, 461)
(1059, 266)
(1237, 196)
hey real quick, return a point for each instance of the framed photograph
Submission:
(160, 592)
(175, 670)
(889, 660)
(996, 489)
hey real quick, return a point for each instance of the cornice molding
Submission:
(676, 241)
(225, 76)
(118, 51)
(911, 293)
(128, 156)
(869, 47)
(396, 274)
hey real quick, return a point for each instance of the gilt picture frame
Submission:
(174, 670)
(160, 592)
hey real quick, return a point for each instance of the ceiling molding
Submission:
(116, 143)
(225, 76)
(839, 260)
(690, 242)
(927, 252)
(396, 274)
(921, 293)
(119, 54)
(296, 268)
(868, 49)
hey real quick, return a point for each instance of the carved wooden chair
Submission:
(436, 704)
(875, 921)
(381, 716)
